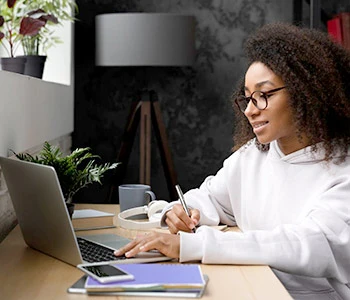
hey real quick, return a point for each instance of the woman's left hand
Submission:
(166, 243)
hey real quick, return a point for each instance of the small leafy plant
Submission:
(74, 171)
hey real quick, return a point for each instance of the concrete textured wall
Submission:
(195, 101)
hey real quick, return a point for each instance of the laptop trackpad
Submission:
(110, 240)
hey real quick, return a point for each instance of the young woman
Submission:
(287, 185)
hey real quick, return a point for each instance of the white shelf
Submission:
(33, 111)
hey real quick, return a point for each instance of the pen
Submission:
(183, 203)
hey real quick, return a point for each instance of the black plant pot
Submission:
(13, 64)
(34, 65)
(70, 207)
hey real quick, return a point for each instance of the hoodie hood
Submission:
(303, 156)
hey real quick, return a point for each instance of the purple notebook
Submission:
(176, 277)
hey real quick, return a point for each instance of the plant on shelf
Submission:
(74, 171)
(31, 23)
(28, 26)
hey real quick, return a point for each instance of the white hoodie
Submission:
(294, 213)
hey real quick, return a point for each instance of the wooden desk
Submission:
(29, 274)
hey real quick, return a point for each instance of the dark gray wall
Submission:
(195, 101)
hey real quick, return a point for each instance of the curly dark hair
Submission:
(316, 72)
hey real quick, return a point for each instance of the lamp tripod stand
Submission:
(146, 112)
(145, 39)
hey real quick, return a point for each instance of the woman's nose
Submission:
(251, 109)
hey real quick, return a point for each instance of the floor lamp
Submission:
(145, 39)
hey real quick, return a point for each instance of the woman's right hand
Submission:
(177, 219)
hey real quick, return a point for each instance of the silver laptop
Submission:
(44, 220)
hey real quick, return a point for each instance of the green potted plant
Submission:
(29, 25)
(74, 171)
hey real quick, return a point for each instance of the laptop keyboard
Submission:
(92, 252)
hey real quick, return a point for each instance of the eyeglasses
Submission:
(258, 98)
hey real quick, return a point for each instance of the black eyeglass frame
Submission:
(255, 102)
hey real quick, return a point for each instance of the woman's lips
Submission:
(259, 126)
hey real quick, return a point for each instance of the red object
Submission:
(334, 28)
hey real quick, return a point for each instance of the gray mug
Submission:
(134, 195)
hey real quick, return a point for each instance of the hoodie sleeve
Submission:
(317, 246)
(212, 198)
